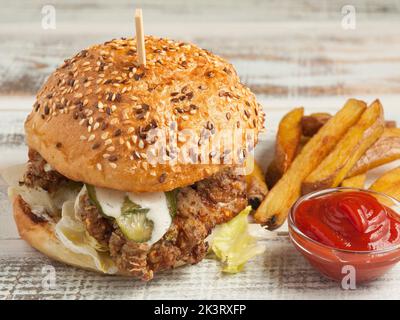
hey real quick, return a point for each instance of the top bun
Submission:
(92, 117)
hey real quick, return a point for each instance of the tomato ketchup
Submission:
(343, 229)
(350, 221)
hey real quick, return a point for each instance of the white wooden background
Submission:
(290, 52)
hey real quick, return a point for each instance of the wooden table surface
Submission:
(290, 53)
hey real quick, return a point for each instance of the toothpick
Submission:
(141, 51)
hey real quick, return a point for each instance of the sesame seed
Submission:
(91, 137)
(96, 146)
(99, 167)
(104, 126)
(82, 138)
(135, 155)
(107, 142)
(113, 165)
(111, 149)
(162, 178)
(113, 158)
(106, 155)
(104, 136)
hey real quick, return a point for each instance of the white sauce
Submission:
(111, 202)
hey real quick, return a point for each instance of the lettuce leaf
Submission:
(233, 245)
(73, 235)
(40, 201)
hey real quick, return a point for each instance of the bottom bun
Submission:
(40, 235)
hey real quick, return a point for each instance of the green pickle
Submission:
(172, 201)
(134, 223)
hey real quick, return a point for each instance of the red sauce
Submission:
(349, 220)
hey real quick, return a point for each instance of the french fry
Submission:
(312, 123)
(335, 167)
(256, 187)
(355, 182)
(287, 145)
(288, 139)
(275, 207)
(385, 150)
(389, 183)
(273, 175)
(390, 124)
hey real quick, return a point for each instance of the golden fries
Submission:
(287, 145)
(389, 183)
(390, 124)
(288, 139)
(385, 150)
(256, 187)
(273, 175)
(335, 167)
(355, 182)
(312, 123)
(275, 207)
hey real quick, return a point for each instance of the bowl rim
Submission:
(292, 224)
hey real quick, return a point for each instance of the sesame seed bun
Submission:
(92, 117)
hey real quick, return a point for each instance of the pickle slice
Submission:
(172, 201)
(134, 223)
(135, 226)
(132, 220)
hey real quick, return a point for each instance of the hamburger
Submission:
(112, 183)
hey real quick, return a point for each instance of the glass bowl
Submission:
(336, 263)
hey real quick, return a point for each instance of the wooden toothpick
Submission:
(141, 51)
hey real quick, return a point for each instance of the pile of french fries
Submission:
(321, 151)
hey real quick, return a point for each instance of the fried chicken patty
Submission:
(40, 174)
(200, 207)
